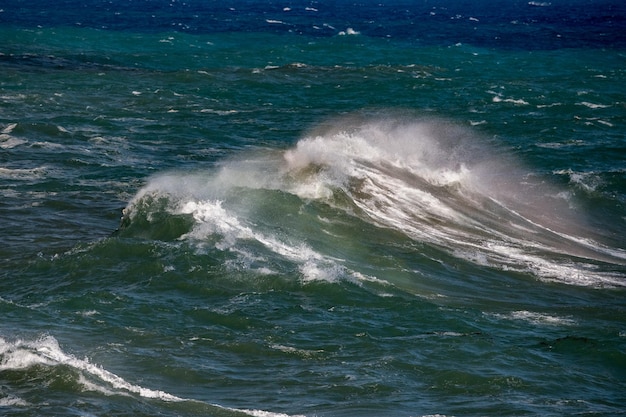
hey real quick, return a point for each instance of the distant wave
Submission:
(349, 31)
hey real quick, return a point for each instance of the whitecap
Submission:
(260, 413)
(87, 313)
(536, 318)
(498, 99)
(219, 112)
(588, 181)
(23, 174)
(46, 351)
(47, 145)
(349, 32)
(9, 128)
(593, 105)
(292, 350)
(12, 401)
(9, 142)
(543, 106)
(541, 318)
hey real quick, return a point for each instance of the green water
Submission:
(347, 225)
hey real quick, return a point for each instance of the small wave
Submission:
(23, 174)
(46, 351)
(593, 105)
(588, 181)
(8, 142)
(543, 106)
(305, 353)
(219, 112)
(12, 401)
(519, 102)
(349, 32)
(9, 128)
(605, 123)
(543, 319)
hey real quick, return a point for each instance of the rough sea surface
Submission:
(349, 208)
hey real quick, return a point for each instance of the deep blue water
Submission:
(309, 208)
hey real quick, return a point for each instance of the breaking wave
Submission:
(45, 352)
(434, 181)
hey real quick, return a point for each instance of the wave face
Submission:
(439, 184)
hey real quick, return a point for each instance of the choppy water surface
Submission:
(353, 209)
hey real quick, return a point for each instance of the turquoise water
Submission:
(346, 209)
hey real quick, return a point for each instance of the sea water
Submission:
(349, 208)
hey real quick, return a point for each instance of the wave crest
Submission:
(442, 184)
(45, 352)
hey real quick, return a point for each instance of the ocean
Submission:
(349, 208)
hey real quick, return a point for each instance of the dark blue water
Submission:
(309, 208)
(503, 24)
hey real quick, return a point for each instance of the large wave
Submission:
(434, 181)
